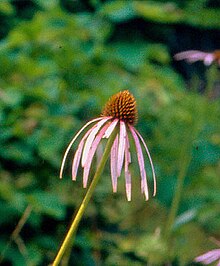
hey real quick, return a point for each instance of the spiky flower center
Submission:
(217, 54)
(122, 106)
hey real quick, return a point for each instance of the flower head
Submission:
(209, 257)
(192, 56)
(119, 113)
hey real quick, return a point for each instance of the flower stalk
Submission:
(116, 121)
(185, 159)
(177, 195)
(89, 193)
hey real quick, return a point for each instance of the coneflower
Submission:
(209, 257)
(116, 121)
(119, 113)
(192, 56)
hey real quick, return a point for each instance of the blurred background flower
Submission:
(192, 56)
(209, 257)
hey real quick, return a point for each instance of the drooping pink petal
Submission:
(114, 163)
(99, 153)
(128, 148)
(121, 146)
(73, 140)
(127, 172)
(91, 138)
(213, 258)
(144, 186)
(110, 129)
(91, 154)
(191, 55)
(77, 155)
(209, 256)
(209, 58)
(151, 162)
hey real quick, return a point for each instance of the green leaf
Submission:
(185, 217)
(206, 18)
(6, 8)
(158, 12)
(117, 11)
(47, 203)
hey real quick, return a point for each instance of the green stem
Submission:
(67, 254)
(186, 158)
(74, 225)
(212, 75)
(17, 230)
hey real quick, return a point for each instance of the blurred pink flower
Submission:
(119, 112)
(192, 56)
(209, 257)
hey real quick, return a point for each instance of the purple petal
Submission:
(72, 141)
(209, 58)
(209, 256)
(144, 186)
(151, 162)
(128, 148)
(91, 154)
(110, 129)
(91, 138)
(121, 146)
(77, 155)
(127, 172)
(114, 162)
(193, 55)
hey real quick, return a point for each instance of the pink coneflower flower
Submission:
(120, 114)
(209, 257)
(192, 56)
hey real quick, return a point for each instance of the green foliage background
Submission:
(60, 62)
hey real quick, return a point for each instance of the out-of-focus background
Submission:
(60, 61)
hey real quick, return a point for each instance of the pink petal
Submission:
(144, 186)
(193, 55)
(91, 154)
(77, 155)
(113, 161)
(99, 153)
(72, 141)
(128, 148)
(209, 256)
(110, 129)
(151, 162)
(91, 138)
(127, 172)
(211, 259)
(121, 146)
(209, 58)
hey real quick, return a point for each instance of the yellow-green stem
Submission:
(178, 192)
(212, 76)
(74, 225)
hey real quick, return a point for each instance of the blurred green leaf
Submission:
(158, 12)
(6, 7)
(47, 203)
(185, 217)
(117, 10)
